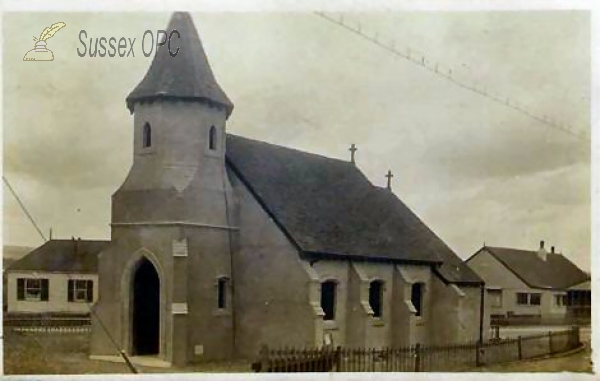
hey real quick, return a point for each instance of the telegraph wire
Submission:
(122, 353)
(22, 205)
(447, 74)
(23, 208)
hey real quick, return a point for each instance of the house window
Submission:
(416, 297)
(222, 293)
(212, 138)
(32, 289)
(147, 135)
(80, 291)
(535, 299)
(375, 297)
(560, 300)
(522, 298)
(495, 297)
(328, 299)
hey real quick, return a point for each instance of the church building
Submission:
(220, 244)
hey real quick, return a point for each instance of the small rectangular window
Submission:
(222, 293)
(535, 299)
(561, 300)
(328, 299)
(80, 290)
(416, 297)
(32, 289)
(212, 138)
(375, 297)
(522, 298)
(147, 135)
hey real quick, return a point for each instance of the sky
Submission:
(475, 171)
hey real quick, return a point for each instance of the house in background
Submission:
(61, 276)
(526, 285)
(579, 302)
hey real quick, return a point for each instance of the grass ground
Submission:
(52, 353)
(577, 362)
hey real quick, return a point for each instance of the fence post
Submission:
(338, 358)
(496, 333)
(550, 349)
(264, 358)
(418, 357)
(478, 353)
(520, 344)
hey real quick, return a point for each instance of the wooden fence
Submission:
(416, 358)
(574, 316)
(46, 321)
(49, 329)
(47, 324)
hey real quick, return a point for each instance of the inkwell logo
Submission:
(40, 52)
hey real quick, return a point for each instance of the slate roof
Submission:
(60, 256)
(556, 272)
(328, 207)
(186, 76)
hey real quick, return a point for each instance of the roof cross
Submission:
(352, 150)
(389, 179)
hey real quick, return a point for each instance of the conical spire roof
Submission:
(186, 76)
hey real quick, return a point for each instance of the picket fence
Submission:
(47, 329)
(47, 324)
(416, 358)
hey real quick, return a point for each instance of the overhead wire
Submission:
(448, 75)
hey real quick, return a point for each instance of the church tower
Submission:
(165, 281)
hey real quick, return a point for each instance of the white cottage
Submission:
(526, 285)
(59, 277)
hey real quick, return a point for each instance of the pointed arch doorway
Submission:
(146, 309)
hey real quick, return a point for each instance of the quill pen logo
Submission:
(40, 52)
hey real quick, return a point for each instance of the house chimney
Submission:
(75, 244)
(542, 253)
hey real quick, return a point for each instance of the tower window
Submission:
(222, 293)
(212, 138)
(376, 297)
(416, 297)
(147, 135)
(328, 299)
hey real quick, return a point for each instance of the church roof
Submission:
(556, 272)
(62, 255)
(186, 76)
(327, 207)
